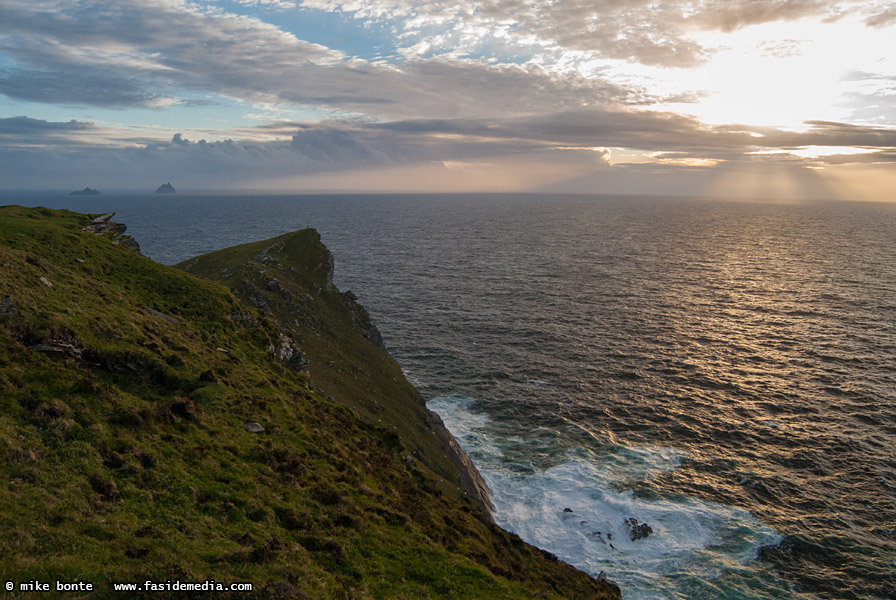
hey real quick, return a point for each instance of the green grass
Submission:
(127, 459)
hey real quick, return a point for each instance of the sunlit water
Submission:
(725, 372)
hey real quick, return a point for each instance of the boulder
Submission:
(637, 530)
(291, 356)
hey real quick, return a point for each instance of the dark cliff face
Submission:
(157, 425)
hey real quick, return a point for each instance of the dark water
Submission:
(725, 372)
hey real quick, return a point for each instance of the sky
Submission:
(763, 99)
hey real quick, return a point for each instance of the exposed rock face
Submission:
(166, 189)
(470, 478)
(290, 355)
(163, 316)
(637, 530)
(61, 349)
(7, 309)
(103, 225)
(361, 319)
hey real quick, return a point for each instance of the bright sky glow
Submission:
(405, 95)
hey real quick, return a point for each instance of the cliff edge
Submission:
(160, 428)
(290, 279)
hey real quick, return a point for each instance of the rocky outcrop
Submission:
(103, 225)
(637, 530)
(166, 189)
(290, 355)
(470, 479)
(61, 348)
(361, 319)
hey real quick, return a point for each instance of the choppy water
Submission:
(725, 372)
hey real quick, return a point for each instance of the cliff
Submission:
(290, 279)
(159, 426)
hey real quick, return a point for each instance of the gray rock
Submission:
(470, 479)
(57, 348)
(361, 319)
(291, 355)
(129, 242)
(163, 316)
(253, 427)
(260, 301)
(103, 218)
(102, 225)
(7, 309)
(637, 530)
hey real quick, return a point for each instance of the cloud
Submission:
(146, 53)
(882, 157)
(881, 16)
(548, 145)
(106, 53)
(83, 87)
(27, 125)
(642, 31)
(27, 132)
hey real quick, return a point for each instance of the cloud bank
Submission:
(529, 92)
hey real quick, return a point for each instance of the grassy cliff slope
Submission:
(130, 399)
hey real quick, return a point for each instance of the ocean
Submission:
(724, 372)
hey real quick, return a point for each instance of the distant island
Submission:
(85, 192)
(166, 189)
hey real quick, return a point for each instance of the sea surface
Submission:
(724, 372)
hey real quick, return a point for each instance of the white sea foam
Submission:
(693, 542)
